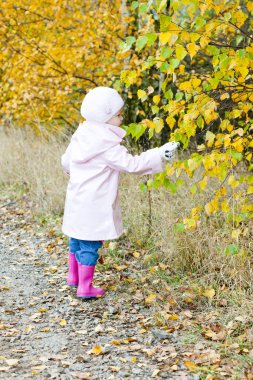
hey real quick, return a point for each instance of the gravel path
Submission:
(48, 333)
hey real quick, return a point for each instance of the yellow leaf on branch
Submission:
(192, 49)
(168, 38)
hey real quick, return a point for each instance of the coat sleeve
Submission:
(65, 160)
(148, 162)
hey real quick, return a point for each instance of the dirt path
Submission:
(46, 332)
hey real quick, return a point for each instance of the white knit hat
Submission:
(101, 104)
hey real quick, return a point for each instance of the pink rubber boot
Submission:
(73, 270)
(85, 288)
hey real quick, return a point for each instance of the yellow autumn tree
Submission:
(194, 82)
(53, 52)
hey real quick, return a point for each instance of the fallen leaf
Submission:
(63, 323)
(173, 317)
(12, 362)
(116, 342)
(4, 369)
(114, 369)
(97, 350)
(155, 373)
(28, 329)
(209, 293)
(151, 298)
(42, 310)
(190, 365)
(120, 267)
(53, 269)
(45, 329)
(99, 329)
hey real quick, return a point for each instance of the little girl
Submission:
(93, 160)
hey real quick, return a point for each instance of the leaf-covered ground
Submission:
(132, 333)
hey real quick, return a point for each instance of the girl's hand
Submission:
(168, 150)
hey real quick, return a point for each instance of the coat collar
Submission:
(116, 130)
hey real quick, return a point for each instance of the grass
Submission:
(31, 165)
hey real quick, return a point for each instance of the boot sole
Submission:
(98, 296)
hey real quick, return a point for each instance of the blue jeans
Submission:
(85, 251)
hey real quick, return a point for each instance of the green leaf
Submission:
(151, 38)
(213, 50)
(179, 95)
(173, 187)
(135, 4)
(126, 45)
(169, 94)
(161, 4)
(239, 39)
(231, 249)
(150, 133)
(200, 122)
(143, 187)
(164, 22)
(193, 189)
(180, 52)
(143, 8)
(164, 67)
(174, 63)
(199, 22)
(236, 155)
(117, 85)
(166, 52)
(141, 42)
(227, 16)
(136, 130)
(179, 227)
(155, 109)
(130, 40)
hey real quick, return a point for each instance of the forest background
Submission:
(185, 71)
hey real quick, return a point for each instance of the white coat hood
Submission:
(84, 146)
(101, 104)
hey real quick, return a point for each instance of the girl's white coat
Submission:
(93, 160)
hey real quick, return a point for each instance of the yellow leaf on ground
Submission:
(63, 323)
(151, 298)
(209, 293)
(97, 350)
(190, 365)
(116, 342)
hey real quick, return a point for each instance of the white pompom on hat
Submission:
(100, 104)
